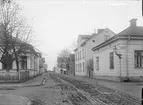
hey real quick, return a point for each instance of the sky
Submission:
(57, 23)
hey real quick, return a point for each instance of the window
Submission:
(97, 63)
(78, 55)
(8, 62)
(23, 62)
(111, 60)
(83, 66)
(106, 36)
(138, 58)
(80, 67)
(75, 56)
(4, 66)
(76, 68)
(83, 53)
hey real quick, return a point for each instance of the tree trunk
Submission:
(16, 57)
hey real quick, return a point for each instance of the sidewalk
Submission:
(9, 99)
(131, 88)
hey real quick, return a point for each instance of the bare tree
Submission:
(89, 66)
(2, 2)
(63, 59)
(14, 34)
(73, 45)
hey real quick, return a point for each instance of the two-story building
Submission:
(83, 52)
(80, 55)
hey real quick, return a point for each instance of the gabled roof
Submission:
(101, 30)
(75, 49)
(85, 36)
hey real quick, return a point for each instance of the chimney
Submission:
(95, 31)
(99, 30)
(133, 22)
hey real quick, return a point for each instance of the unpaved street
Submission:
(63, 90)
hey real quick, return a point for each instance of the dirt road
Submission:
(61, 90)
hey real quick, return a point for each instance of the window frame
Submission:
(141, 56)
(83, 66)
(97, 63)
(111, 60)
(83, 53)
(80, 55)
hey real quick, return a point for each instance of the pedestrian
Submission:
(44, 81)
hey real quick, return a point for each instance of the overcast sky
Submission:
(57, 23)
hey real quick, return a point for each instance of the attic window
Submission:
(106, 36)
(93, 40)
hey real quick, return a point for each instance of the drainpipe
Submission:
(120, 58)
(120, 68)
(85, 62)
(127, 72)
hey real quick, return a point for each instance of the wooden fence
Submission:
(13, 76)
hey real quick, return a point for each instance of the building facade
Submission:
(80, 55)
(29, 66)
(83, 52)
(120, 58)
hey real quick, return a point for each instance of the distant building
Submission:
(56, 70)
(43, 66)
(61, 64)
(120, 57)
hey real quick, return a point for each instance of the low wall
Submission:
(109, 78)
(136, 78)
(118, 78)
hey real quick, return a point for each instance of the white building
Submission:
(128, 45)
(83, 52)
